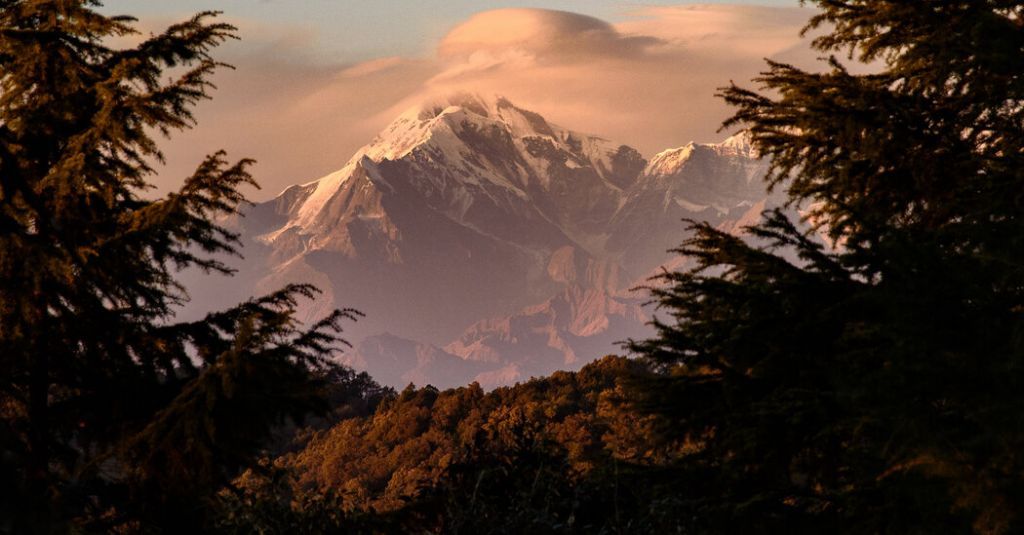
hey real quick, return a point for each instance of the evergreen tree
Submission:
(113, 415)
(873, 386)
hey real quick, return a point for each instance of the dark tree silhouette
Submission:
(113, 415)
(872, 386)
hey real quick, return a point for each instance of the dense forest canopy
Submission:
(867, 382)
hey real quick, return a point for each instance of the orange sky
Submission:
(648, 81)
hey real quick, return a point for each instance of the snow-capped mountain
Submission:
(705, 182)
(476, 226)
(487, 165)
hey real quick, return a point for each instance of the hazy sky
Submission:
(351, 30)
(317, 79)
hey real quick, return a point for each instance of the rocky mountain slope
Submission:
(495, 244)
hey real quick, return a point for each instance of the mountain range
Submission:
(485, 243)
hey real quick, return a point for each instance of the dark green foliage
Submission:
(874, 386)
(114, 416)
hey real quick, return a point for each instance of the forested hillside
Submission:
(558, 453)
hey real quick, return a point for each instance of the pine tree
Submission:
(873, 386)
(114, 415)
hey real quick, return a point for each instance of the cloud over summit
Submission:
(648, 81)
(543, 33)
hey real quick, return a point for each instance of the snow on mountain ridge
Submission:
(740, 144)
(466, 208)
(463, 150)
(670, 161)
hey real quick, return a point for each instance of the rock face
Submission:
(396, 361)
(473, 225)
(565, 332)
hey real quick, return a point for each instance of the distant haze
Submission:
(648, 78)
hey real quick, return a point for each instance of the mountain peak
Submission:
(471, 107)
(671, 161)
(482, 163)
(740, 144)
(475, 103)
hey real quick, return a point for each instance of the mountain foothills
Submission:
(489, 244)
